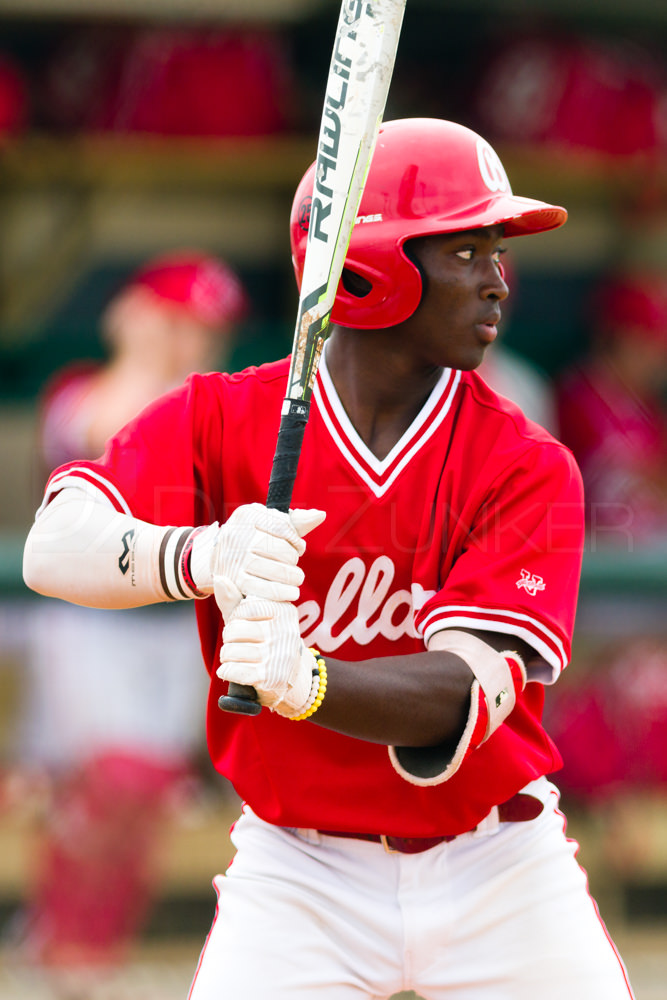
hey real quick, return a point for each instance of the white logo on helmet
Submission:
(490, 167)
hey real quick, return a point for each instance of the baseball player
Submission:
(398, 828)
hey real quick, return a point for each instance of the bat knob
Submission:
(241, 700)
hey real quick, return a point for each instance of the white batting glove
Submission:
(254, 552)
(262, 647)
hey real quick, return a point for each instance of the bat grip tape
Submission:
(286, 458)
(241, 699)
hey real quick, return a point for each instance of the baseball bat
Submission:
(360, 72)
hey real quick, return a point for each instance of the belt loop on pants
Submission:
(521, 808)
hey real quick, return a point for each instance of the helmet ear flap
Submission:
(394, 291)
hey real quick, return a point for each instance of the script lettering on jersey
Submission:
(329, 145)
(362, 598)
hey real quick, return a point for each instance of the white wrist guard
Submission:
(499, 678)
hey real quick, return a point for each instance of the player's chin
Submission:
(470, 359)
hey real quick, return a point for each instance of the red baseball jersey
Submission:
(473, 520)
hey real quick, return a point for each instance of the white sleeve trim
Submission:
(545, 642)
(90, 482)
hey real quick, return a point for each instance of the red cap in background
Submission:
(203, 286)
(637, 304)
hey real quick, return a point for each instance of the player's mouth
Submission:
(487, 331)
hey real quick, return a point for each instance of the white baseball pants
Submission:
(502, 913)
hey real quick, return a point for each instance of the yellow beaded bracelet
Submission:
(321, 687)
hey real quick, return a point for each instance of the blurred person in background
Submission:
(613, 415)
(116, 734)
(513, 375)
(611, 727)
(612, 412)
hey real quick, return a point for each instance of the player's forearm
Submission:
(418, 700)
(87, 553)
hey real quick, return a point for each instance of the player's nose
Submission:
(493, 284)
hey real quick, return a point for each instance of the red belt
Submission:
(518, 809)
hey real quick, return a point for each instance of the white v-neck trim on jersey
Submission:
(379, 474)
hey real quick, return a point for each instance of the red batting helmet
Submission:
(427, 176)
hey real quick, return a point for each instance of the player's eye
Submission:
(497, 254)
(466, 254)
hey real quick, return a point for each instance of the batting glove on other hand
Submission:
(262, 647)
(255, 552)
